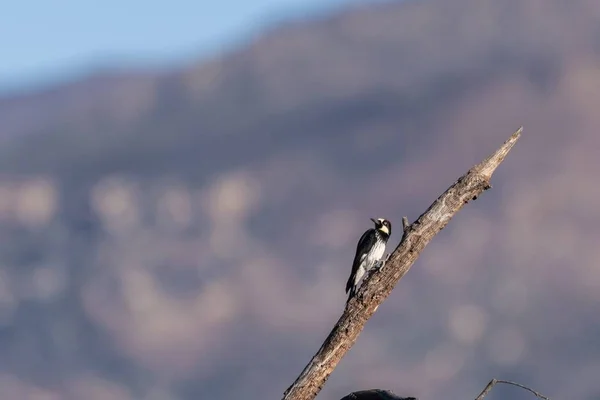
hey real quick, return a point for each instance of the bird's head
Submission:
(383, 225)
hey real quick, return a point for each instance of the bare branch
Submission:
(378, 285)
(489, 165)
(405, 226)
(493, 383)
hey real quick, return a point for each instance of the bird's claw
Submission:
(382, 262)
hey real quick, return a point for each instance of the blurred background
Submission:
(182, 186)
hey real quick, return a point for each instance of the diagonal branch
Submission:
(378, 286)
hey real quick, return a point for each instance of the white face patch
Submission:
(383, 228)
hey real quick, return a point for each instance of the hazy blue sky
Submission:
(42, 41)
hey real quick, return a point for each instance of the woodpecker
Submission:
(369, 252)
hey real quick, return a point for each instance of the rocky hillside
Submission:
(188, 234)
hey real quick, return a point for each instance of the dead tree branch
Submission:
(377, 286)
(493, 383)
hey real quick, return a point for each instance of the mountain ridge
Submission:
(167, 235)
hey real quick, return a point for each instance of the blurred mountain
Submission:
(188, 234)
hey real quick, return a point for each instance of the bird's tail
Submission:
(350, 285)
(351, 294)
(350, 289)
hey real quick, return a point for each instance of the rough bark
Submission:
(378, 285)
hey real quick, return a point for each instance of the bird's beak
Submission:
(374, 221)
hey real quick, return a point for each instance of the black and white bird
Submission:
(369, 252)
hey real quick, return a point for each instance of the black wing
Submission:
(365, 243)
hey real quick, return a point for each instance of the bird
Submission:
(375, 394)
(369, 252)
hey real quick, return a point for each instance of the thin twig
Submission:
(405, 226)
(493, 383)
